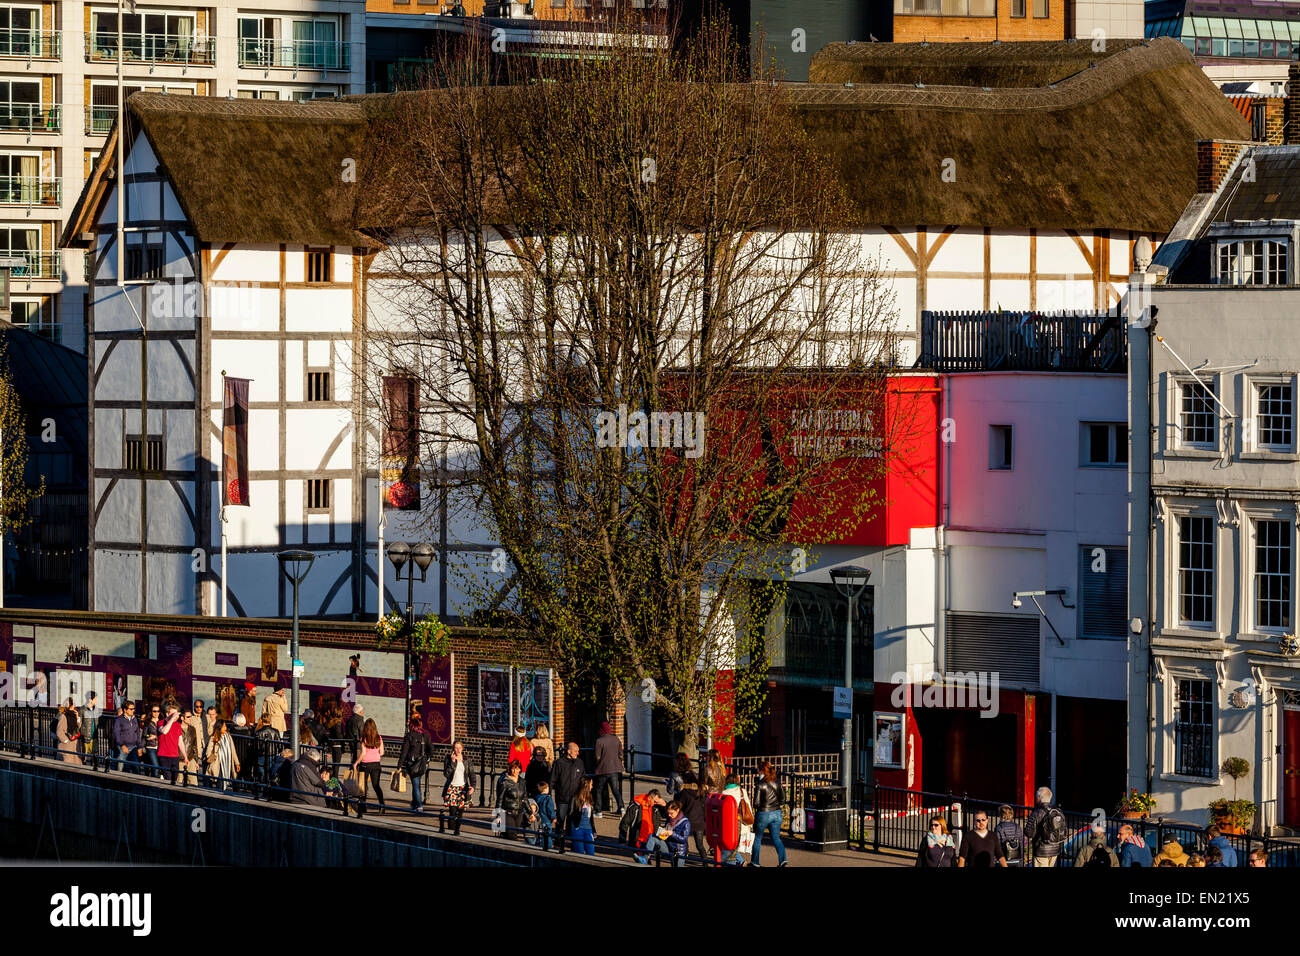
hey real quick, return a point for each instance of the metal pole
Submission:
(293, 669)
(121, 162)
(223, 542)
(410, 623)
(846, 761)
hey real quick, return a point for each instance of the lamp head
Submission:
(399, 552)
(422, 555)
(295, 564)
(849, 578)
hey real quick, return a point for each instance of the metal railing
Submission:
(31, 118)
(36, 265)
(164, 48)
(30, 44)
(295, 54)
(30, 191)
(1022, 341)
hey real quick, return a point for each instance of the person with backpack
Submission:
(1097, 853)
(417, 749)
(67, 731)
(1010, 838)
(981, 848)
(1133, 850)
(1046, 830)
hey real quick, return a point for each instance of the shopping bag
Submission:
(746, 844)
(398, 784)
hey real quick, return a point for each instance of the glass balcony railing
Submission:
(100, 119)
(152, 48)
(30, 44)
(30, 117)
(30, 191)
(294, 54)
(36, 265)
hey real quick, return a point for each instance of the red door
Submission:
(1291, 767)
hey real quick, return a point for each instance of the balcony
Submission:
(294, 54)
(153, 48)
(37, 265)
(30, 45)
(100, 119)
(30, 118)
(1022, 342)
(30, 191)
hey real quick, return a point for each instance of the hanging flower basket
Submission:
(431, 636)
(390, 627)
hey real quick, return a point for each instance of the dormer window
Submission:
(1252, 262)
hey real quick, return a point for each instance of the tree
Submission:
(15, 496)
(650, 350)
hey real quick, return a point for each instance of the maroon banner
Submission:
(234, 443)
(431, 695)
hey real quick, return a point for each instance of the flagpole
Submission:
(223, 494)
(223, 557)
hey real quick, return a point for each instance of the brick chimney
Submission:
(1214, 157)
(1292, 130)
(1268, 119)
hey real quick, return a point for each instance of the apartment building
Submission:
(1244, 46)
(58, 101)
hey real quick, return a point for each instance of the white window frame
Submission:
(1173, 565)
(1252, 430)
(1117, 437)
(1184, 669)
(1251, 515)
(1175, 443)
(1236, 251)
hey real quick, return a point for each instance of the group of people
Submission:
(1044, 838)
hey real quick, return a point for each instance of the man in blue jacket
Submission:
(1133, 850)
(1216, 838)
(126, 736)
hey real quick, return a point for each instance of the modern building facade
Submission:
(1244, 47)
(58, 67)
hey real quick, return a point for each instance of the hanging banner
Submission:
(399, 470)
(234, 443)
(432, 696)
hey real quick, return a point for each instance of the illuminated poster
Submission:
(494, 701)
(888, 740)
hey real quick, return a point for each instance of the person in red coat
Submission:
(520, 748)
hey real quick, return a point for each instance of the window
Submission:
(318, 494)
(1194, 728)
(310, 43)
(1198, 422)
(143, 454)
(1253, 262)
(20, 105)
(1017, 8)
(31, 315)
(144, 257)
(22, 242)
(319, 387)
(145, 36)
(1272, 574)
(1040, 8)
(258, 94)
(20, 31)
(1000, 447)
(319, 265)
(1196, 570)
(1103, 592)
(1274, 417)
(1103, 444)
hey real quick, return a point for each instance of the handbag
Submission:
(398, 783)
(746, 813)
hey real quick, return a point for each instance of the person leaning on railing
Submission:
(67, 732)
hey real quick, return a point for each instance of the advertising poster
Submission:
(494, 701)
(533, 696)
(432, 694)
(889, 740)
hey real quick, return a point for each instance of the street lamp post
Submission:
(294, 565)
(850, 581)
(402, 555)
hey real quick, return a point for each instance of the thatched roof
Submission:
(1110, 143)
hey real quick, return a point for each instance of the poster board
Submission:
(495, 713)
(887, 741)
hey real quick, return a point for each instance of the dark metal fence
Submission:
(1022, 341)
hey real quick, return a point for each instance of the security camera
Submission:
(1015, 602)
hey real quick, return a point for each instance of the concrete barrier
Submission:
(53, 810)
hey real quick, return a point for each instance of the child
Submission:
(545, 813)
(671, 837)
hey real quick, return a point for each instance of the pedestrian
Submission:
(1096, 853)
(542, 740)
(511, 799)
(353, 729)
(310, 781)
(981, 848)
(673, 785)
(1257, 857)
(1011, 840)
(126, 737)
(580, 819)
(269, 743)
(538, 772)
(1214, 837)
(223, 763)
(1133, 850)
(745, 814)
(609, 768)
(642, 819)
(545, 813)
(670, 839)
(368, 763)
(67, 732)
(1195, 860)
(1213, 857)
(692, 802)
(768, 800)
(714, 774)
(1046, 830)
(566, 778)
(90, 722)
(459, 785)
(189, 753)
(520, 748)
(937, 848)
(149, 731)
(417, 750)
(276, 707)
(331, 722)
(1172, 851)
(248, 704)
(169, 743)
(202, 732)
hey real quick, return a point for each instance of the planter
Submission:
(1132, 815)
(1226, 825)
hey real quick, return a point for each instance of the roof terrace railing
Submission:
(1023, 341)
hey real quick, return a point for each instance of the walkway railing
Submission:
(30, 44)
(161, 48)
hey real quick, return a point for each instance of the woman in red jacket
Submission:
(520, 748)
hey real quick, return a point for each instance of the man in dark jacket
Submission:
(356, 724)
(1045, 830)
(1216, 838)
(609, 768)
(126, 737)
(512, 800)
(566, 778)
(539, 771)
(309, 781)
